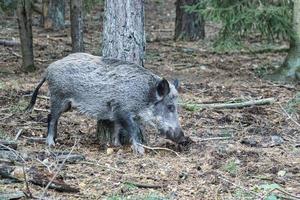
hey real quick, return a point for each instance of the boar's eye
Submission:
(171, 108)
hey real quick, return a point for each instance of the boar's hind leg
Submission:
(126, 121)
(57, 108)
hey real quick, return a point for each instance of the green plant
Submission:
(231, 167)
(240, 18)
(267, 188)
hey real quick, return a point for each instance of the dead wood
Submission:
(57, 185)
(12, 195)
(5, 173)
(11, 144)
(10, 43)
(43, 179)
(141, 185)
(196, 106)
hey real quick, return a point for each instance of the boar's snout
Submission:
(176, 135)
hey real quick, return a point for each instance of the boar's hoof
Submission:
(50, 141)
(137, 149)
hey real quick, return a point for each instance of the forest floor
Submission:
(247, 153)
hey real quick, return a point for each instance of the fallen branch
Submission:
(159, 148)
(10, 43)
(42, 110)
(195, 106)
(208, 139)
(56, 173)
(18, 134)
(140, 185)
(12, 195)
(35, 139)
(11, 144)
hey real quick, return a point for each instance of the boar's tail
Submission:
(34, 95)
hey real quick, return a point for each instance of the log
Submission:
(141, 185)
(10, 144)
(9, 43)
(5, 173)
(42, 178)
(12, 195)
(196, 106)
(9, 155)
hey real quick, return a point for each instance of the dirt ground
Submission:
(247, 153)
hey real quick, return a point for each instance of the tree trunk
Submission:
(24, 12)
(123, 34)
(76, 17)
(104, 132)
(188, 26)
(124, 39)
(54, 14)
(290, 70)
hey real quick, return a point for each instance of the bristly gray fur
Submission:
(97, 86)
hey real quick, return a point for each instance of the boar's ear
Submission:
(163, 88)
(176, 83)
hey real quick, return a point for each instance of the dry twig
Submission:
(193, 106)
(140, 185)
(208, 139)
(160, 148)
(19, 133)
(57, 171)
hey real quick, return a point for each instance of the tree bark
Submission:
(124, 39)
(76, 17)
(24, 13)
(53, 14)
(188, 26)
(123, 34)
(290, 70)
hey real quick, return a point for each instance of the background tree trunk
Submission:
(290, 70)
(123, 34)
(123, 38)
(76, 17)
(54, 14)
(24, 13)
(188, 26)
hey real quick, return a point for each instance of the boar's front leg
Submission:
(57, 108)
(127, 122)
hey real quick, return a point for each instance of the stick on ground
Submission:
(196, 106)
(159, 148)
(140, 185)
(57, 171)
